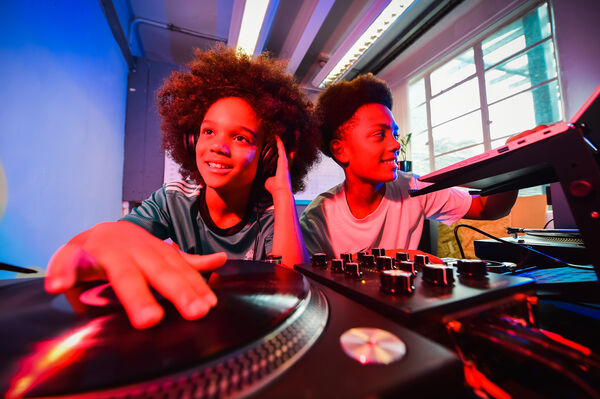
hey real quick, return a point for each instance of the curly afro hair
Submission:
(338, 103)
(272, 92)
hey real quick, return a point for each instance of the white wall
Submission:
(62, 109)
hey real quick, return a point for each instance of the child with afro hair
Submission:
(244, 137)
(372, 208)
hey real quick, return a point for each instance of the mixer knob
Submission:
(367, 262)
(438, 274)
(337, 265)
(346, 258)
(421, 260)
(359, 255)
(384, 263)
(407, 267)
(475, 268)
(352, 270)
(396, 282)
(401, 256)
(378, 252)
(319, 260)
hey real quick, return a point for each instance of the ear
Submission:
(338, 150)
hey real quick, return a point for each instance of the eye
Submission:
(207, 131)
(396, 135)
(380, 134)
(242, 139)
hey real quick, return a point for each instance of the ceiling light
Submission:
(252, 21)
(352, 49)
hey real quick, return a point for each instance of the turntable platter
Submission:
(266, 317)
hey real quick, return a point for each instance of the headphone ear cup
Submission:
(189, 143)
(268, 160)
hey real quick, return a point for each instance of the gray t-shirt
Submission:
(178, 211)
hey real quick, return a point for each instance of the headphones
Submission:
(267, 165)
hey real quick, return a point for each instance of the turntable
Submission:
(274, 333)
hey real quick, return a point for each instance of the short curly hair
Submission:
(282, 107)
(338, 103)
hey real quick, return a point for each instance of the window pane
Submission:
(421, 166)
(528, 69)
(456, 102)
(453, 72)
(420, 153)
(454, 157)
(416, 93)
(524, 32)
(525, 111)
(458, 133)
(418, 119)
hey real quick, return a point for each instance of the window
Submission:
(499, 86)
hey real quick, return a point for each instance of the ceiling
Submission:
(305, 32)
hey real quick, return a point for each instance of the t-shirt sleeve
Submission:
(447, 206)
(315, 231)
(152, 215)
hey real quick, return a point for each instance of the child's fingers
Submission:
(132, 290)
(177, 282)
(205, 263)
(69, 264)
(282, 162)
(196, 282)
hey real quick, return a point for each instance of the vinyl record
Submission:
(372, 345)
(49, 350)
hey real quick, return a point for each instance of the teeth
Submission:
(218, 165)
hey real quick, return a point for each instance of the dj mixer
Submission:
(363, 326)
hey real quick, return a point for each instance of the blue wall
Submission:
(62, 115)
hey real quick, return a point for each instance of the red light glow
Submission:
(51, 356)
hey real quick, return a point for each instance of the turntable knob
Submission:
(438, 274)
(407, 266)
(352, 270)
(346, 258)
(401, 256)
(421, 260)
(319, 260)
(337, 265)
(396, 282)
(384, 263)
(378, 252)
(475, 268)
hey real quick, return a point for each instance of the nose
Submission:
(220, 147)
(393, 143)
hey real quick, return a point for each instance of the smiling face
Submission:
(228, 145)
(368, 146)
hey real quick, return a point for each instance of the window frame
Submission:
(476, 44)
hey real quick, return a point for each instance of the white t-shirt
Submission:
(328, 226)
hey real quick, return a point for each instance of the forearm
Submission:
(492, 207)
(287, 237)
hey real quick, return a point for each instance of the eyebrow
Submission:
(394, 127)
(242, 127)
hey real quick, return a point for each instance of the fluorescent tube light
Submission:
(349, 52)
(252, 20)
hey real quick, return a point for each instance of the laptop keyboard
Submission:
(560, 275)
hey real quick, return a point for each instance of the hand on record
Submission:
(133, 260)
(280, 183)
